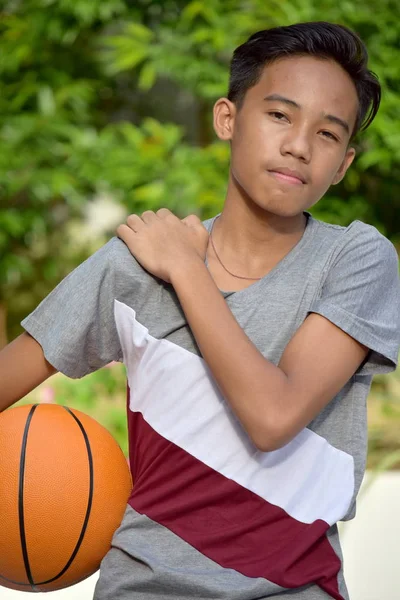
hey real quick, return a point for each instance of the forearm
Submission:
(22, 368)
(253, 386)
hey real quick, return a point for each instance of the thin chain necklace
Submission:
(220, 261)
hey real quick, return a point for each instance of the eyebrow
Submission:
(331, 118)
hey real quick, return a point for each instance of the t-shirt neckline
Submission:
(284, 262)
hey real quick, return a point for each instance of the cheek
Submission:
(245, 164)
(322, 182)
(328, 171)
(250, 146)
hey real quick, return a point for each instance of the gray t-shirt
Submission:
(232, 522)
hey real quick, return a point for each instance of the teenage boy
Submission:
(250, 342)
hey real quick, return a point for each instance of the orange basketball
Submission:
(64, 485)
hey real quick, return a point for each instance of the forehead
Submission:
(317, 85)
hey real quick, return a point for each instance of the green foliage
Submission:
(195, 54)
(114, 97)
(48, 91)
(384, 436)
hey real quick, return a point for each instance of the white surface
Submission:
(371, 542)
(370, 546)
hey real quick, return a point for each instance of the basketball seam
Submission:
(21, 499)
(32, 583)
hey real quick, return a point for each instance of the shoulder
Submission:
(358, 229)
(355, 241)
(115, 258)
(113, 249)
(111, 271)
(367, 244)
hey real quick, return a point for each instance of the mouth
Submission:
(286, 178)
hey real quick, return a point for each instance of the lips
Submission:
(288, 175)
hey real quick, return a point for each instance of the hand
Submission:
(162, 243)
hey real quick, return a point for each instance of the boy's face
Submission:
(298, 117)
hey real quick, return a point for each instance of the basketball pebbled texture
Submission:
(64, 486)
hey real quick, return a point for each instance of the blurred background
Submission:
(106, 109)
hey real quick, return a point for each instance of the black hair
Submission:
(320, 39)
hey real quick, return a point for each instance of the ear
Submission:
(348, 159)
(224, 118)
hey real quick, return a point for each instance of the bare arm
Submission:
(273, 403)
(22, 368)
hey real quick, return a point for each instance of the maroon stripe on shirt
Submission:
(223, 520)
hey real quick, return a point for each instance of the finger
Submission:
(191, 221)
(149, 216)
(125, 233)
(135, 223)
(164, 213)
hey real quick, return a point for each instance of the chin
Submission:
(282, 210)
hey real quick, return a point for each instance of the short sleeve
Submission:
(75, 323)
(361, 295)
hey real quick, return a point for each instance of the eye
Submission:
(278, 115)
(329, 135)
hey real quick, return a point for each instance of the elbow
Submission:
(271, 437)
(268, 443)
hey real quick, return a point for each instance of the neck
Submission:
(252, 239)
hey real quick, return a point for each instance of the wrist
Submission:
(186, 269)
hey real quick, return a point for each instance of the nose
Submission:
(297, 144)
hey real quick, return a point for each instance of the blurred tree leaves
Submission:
(115, 97)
